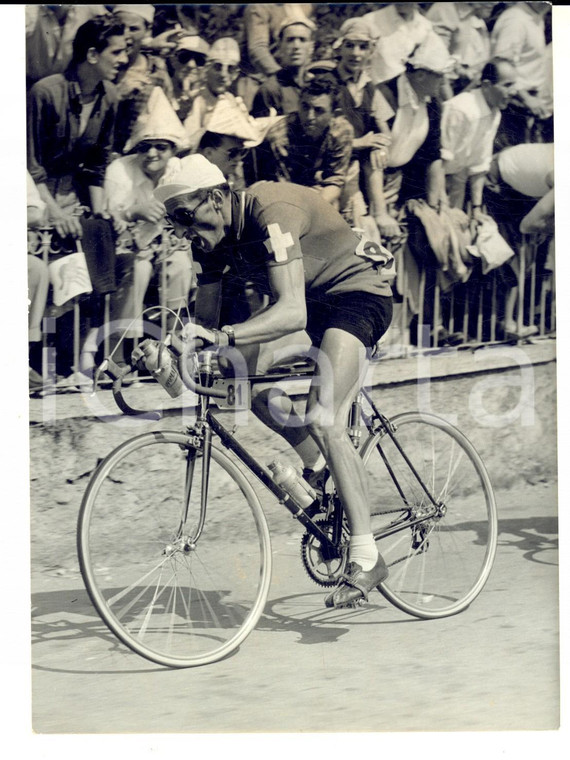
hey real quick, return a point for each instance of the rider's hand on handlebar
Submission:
(201, 337)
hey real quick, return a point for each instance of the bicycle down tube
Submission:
(229, 441)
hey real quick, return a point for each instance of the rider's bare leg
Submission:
(273, 406)
(338, 377)
(340, 374)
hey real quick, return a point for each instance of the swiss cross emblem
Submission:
(278, 242)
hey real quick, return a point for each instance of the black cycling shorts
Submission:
(364, 315)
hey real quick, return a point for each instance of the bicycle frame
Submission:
(208, 424)
(377, 422)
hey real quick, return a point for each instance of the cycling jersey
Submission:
(274, 223)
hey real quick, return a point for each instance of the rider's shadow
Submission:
(61, 617)
(532, 535)
(305, 615)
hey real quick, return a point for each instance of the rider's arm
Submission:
(288, 312)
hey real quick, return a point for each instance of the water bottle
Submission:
(160, 362)
(287, 477)
(354, 423)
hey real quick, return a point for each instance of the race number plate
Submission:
(238, 395)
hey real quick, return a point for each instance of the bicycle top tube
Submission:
(213, 387)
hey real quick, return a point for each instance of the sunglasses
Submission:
(185, 217)
(235, 154)
(161, 147)
(185, 56)
(231, 68)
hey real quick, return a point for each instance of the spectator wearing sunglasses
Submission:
(129, 184)
(142, 72)
(224, 151)
(186, 65)
(221, 72)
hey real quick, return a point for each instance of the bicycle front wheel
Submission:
(439, 565)
(177, 589)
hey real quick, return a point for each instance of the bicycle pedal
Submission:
(355, 604)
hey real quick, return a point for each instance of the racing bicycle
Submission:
(174, 546)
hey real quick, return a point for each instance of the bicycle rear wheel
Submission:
(438, 566)
(174, 590)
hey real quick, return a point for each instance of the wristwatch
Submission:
(229, 331)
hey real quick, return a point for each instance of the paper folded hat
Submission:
(158, 122)
(193, 43)
(173, 40)
(230, 117)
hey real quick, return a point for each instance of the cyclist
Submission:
(321, 276)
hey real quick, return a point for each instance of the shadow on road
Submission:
(305, 615)
(61, 617)
(532, 535)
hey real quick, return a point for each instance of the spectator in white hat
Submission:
(142, 73)
(226, 137)
(262, 24)
(221, 71)
(281, 90)
(366, 110)
(130, 181)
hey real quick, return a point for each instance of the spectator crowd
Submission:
(428, 126)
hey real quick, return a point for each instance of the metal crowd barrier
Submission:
(42, 242)
(476, 319)
(480, 308)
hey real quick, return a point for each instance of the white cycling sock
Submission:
(362, 549)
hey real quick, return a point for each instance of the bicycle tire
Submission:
(439, 567)
(175, 601)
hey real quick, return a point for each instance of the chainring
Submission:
(321, 571)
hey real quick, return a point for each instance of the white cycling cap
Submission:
(194, 173)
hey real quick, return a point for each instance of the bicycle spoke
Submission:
(441, 560)
(179, 589)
